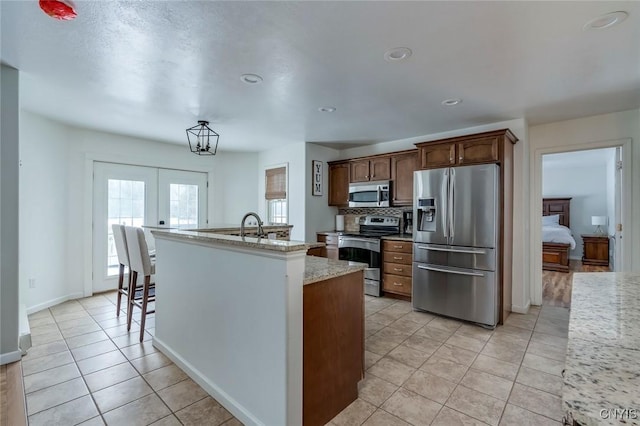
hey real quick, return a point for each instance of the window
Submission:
(276, 194)
(125, 207)
(183, 205)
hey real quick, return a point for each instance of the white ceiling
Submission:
(152, 69)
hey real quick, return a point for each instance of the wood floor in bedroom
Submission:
(556, 286)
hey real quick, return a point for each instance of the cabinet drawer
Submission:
(397, 269)
(328, 239)
(404, 258)
(397, 246)
(396, 284)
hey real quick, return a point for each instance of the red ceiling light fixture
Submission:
(59, 9)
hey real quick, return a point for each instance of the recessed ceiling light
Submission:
(326, 109)
(397, 54)
(451, 102)
(606, 21)
(251, 78)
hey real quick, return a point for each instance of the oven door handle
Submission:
(363, 243)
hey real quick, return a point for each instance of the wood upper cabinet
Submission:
(371, 169)
(359, 171)
(481, 148)
(477, 151)
(339, 184)
(435, 155)
(402, 168)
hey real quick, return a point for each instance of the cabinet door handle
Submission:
(398, 284)
(397, 258)
(398, 247)
(398, 269)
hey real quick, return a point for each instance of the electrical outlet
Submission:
(32, 283)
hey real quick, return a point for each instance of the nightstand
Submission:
(595, 249)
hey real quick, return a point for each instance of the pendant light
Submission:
(202, 140)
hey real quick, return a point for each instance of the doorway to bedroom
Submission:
(581, 224)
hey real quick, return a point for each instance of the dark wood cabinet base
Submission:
(333, 346)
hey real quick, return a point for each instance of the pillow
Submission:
(551, 220)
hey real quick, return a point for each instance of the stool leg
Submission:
(145, 298)
(131, 296)
(120, 282)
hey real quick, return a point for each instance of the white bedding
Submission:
(558, 234)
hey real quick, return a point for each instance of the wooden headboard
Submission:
(559, 206)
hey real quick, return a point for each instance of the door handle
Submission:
(449, 271)
(453, 250)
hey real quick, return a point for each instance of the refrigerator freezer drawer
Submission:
(456, 256)
(467, 294)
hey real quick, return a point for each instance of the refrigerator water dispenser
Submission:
(427, 214)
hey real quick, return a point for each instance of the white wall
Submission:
(234, 186)
(587, 133)
(9, 214)
(319, 215)
(587, 187)
(58, 174)
(294, 156)
(44, 210)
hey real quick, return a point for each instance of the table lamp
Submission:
(598, 221)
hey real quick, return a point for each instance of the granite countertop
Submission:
(231, 227)
(320, 268)
(602, 366)
(250, 242)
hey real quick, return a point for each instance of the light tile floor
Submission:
(85, 368)
(427, 370)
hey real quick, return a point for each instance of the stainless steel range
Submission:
(364, 246)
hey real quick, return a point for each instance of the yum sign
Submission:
(316, 177)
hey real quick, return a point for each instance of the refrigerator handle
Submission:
(451, 208)
(450, 271)
(444, 192)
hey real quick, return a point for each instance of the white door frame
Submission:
(87, 205)
(102, 173)
(535, 233)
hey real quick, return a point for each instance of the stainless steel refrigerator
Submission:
(456, 232)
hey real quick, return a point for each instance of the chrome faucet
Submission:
(244, 219)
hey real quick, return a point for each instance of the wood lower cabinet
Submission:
(330, 251)
(595, 249)
(396, 267)
(339, 183)
(333, 346)
(402, 168)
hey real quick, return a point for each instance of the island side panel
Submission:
(225, 317)
(333, 346)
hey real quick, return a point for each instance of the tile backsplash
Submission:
(351, 215)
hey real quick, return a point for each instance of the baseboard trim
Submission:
(521, 309)
(9, 357)
(235, 408)
(49, 303)
(15, 403)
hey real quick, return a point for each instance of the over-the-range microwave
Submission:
(370, 194)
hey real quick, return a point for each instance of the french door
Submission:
(140, 196)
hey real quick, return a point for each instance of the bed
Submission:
(556, 235)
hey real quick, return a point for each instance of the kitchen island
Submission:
(603, 352)
(277, 337)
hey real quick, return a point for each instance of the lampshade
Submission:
(598, 220)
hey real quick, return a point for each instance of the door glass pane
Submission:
(183, 205)
(126, 207)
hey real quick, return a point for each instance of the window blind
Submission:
(275, 183)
